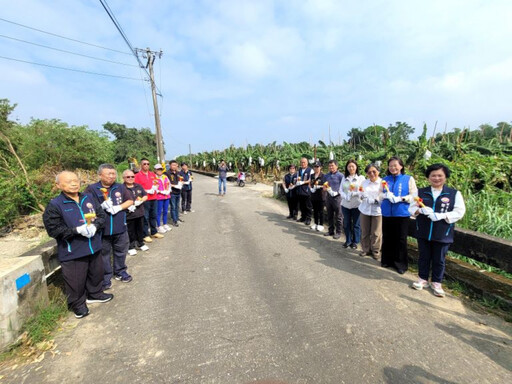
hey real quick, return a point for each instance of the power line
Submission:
(63, 50)
(125, 38)
(69, 69)
(63, 37)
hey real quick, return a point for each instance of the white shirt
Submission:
(371, 190)
(459, 207)
(350, 199)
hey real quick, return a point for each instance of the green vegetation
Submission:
(480, 160)
(32, 154)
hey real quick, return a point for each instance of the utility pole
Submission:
(190, 154)
(151, 56)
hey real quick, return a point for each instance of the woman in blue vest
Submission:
(398, 191)
(437, 211)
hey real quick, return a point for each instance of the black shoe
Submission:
(353, 246)
(307, 222)
(81, 312)
(383, 265)
(182, 221)
(345, 245)
(289, 217)
(175, 224)
(336, 236)
(101, 298)
(401, 271)
(328, 234)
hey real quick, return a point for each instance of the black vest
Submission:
(439, 231)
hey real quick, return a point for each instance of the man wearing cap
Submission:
(75, 220)
(135, 213)
(332, 185)
(176, 186)
(317, 197)
(114, 198)
(303, 191)
(146, 178)
(186, 191)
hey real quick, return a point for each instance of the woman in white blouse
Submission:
(349, 203)
(371, 216)
(436, 208)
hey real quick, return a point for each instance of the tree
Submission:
(131, 142)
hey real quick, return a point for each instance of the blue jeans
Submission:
(175, 203)
(118, 244)
(150, 217)
(432, 252)
(221, 182)
(351, 225)
(161, 211)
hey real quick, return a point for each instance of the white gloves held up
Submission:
(86, 230)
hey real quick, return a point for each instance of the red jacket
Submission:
(147, 182)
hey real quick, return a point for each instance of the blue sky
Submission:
(237, 72)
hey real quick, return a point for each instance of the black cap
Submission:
(317, 164)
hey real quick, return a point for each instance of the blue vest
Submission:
(439, 231)
(73, 215)
(288, 180)
(186, 177)
(114, 224)
(305, 175)
(399, 185)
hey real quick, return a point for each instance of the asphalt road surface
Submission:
(238, 294)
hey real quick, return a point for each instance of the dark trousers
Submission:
(394, 242)
(150, 217)
(351, 225)
(333, 205)
(83, 278)
(432, 252)
(118, 244)
(175, 203)
(318, 211)
(186, 200)
(136, 232)
(306, 208)
(293, 204)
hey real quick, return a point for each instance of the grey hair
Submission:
(57, 176)
(105, 166)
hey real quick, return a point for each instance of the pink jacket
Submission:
(164, 185)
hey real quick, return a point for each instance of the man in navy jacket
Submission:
(75, 221)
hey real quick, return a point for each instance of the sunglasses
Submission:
(145, 163)
(129, 177)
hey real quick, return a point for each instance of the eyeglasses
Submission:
(129, 177)
(145, 163)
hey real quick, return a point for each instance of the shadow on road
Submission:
(331, 252)
(498, 349)
(412, 374)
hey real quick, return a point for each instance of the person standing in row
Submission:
(75, 220)
(186, 191)
(317, 197)
(163, 190)
(176, 186)
(398, 190)
(349, 204)
(135, 213)
(332, 185)
(371, 216)
(146, 178)
(114, 199)
(303, 192)
(288, 184)
(223, 174)
(437, 211)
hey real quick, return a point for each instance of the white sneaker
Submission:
(438, 289)
(161, 230)
(144, 248)
(167, 228)
(320, 228)
(184, 212)
(132, 252)
(420, 284)
(313, 226)
(192, 211)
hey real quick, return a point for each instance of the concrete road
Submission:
(238, 294)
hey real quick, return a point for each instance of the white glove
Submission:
(115, 209)
(286, 190)
(370, 200)
(138, 202)
(92, 230)
(150, 191)
(407, 199)
(132, 208)
(82, 230)
(299, 183)
(291, 186)
(392, 198)
(426, 211)
(437, 216)
(107, 204)
(331, 192)
(362, 195)
(178, 186)
(349, 195)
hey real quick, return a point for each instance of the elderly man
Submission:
(176, 186)
(146, 178)
(75, 221)
(186, 191)
(114, 198)
(303, 192)
(135, 213)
